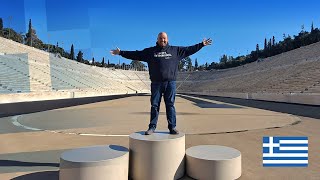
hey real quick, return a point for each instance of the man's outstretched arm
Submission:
(187, 51)
(134, 55)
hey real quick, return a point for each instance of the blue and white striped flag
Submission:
(285, 151)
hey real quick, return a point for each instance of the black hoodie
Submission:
(162, 61)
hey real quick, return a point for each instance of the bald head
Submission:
(162, 39)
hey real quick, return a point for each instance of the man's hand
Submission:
(207, 42)
(115, 51)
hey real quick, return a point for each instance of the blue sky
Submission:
(96, 26)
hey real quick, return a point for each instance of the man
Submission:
(163, 61)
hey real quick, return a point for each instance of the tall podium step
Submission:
(95, 162)
(157, 157)
(213, 162)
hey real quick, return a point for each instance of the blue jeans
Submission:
(168, 90)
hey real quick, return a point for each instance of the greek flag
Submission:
(285, 151)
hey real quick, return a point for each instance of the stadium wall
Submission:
(43, 96)
(17, 108)
(301, 98)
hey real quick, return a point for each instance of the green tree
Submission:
(137, 65)
(230, 58)
(1, 27)
(257, 52)
(273, 41)
(13, 35)
(271, 48)
(302, 28)
(72, 53)
(29, 34)
(201, 68)
(92, 61)
(123, 66)
(61, 52)
(56, 47)
(224, 59)
(108, 63)
(287, 44)
(213, 65)
(181, 64)
(31, 39)
(102, 62)
(188, 63)
(80, 56)
(196, 64)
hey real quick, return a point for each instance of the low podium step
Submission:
(157, 157)
(95, 163)
(213, 162)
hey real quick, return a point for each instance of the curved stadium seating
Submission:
(292, 77)
(26, 71)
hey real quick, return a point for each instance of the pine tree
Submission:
(92, 61)
(57, 47)
(189, 63)
(302, 28)
(312, 28)
(29, 34)
(257, 51)
(102, 62)
(265, 44)
(80, 56)
(108, 63)
(1, 27)
(196, 64)
(224, 59)
(72, 52)
(32, 40)
(137, 65)
(273, 41)
(269, 44)
(206, 66)
(182, 64)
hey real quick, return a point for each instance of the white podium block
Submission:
(96, 162)
(159, 156)
(213, 162)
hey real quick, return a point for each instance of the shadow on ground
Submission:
(205, 104)
(54, 175)
(25, 164)
(311, 111)
(47, 175)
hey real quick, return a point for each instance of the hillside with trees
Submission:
(271, 48)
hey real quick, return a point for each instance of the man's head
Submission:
(162, 39)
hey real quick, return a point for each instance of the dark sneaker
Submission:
(149, 131)
(174, 131)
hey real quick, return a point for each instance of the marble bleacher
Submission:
(24, 69)
(297, 71)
